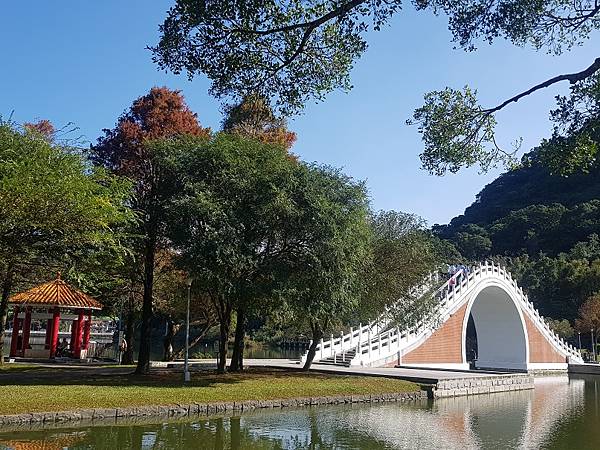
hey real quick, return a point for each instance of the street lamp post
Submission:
(579, 337)
(593, 346)
(186, 364)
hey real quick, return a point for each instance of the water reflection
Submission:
(559, 414)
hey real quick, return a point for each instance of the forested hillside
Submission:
(544, 226)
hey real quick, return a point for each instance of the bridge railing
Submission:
(377, 340)
(450, 294)
(365, 335)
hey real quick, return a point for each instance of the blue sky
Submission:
(85, 62)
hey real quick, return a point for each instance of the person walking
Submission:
(122, 349)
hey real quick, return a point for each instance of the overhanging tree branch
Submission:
(338, 12)
(570, 77)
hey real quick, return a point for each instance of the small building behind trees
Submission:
(49, 305)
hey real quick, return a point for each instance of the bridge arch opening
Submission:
(498, 337)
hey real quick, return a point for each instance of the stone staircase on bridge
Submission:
(379, 344)
(342, 360)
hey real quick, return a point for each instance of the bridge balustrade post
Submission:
(341, 341)
(370, 342)
(332, 345)
(351, 337)
(321, 349)
(359, 335)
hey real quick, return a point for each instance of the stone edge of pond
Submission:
(107, 416)
(483, 385)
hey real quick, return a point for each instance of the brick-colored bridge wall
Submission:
(444, 345)
(540, 350)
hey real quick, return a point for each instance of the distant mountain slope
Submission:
(524, 187)
(527, 210)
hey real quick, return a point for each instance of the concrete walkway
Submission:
(587, 368)
(417, 375)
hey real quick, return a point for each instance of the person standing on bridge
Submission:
(451, 271)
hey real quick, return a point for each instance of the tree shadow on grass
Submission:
(169, 379)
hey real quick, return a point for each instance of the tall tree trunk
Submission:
(172, 329)
(237, 358)
(143, 365)
(317, 335)
(6, 288)
(129, 332)
(224, 312)
(224, 336)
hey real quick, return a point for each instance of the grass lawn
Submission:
(32, 393)
(19, 367)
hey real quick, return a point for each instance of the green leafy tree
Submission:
(52, 206)
(473, 242)
(575, 141)
(403, 254)
(253, 117)
(323, 285)
(229, 225)
(458, 132)
(295, 51)
(561, 327)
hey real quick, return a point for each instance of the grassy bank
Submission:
(28, 392)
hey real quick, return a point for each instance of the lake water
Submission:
(560, 413)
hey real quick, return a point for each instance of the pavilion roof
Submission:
(55, 293)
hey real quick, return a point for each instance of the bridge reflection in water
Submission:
(559, 413)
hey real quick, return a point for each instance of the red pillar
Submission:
(78, 330)
(73, 332)
(49, 324)
(55, 330)
(86, 331)
(15, 332)
(26, 330)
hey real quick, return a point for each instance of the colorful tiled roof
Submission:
(55, 293)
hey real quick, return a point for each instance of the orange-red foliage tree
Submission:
(43, 127)
(161, 113)
(589, 317)
(253, 117)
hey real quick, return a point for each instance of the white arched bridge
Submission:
(482, 320)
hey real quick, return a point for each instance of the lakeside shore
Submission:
(48, 395)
